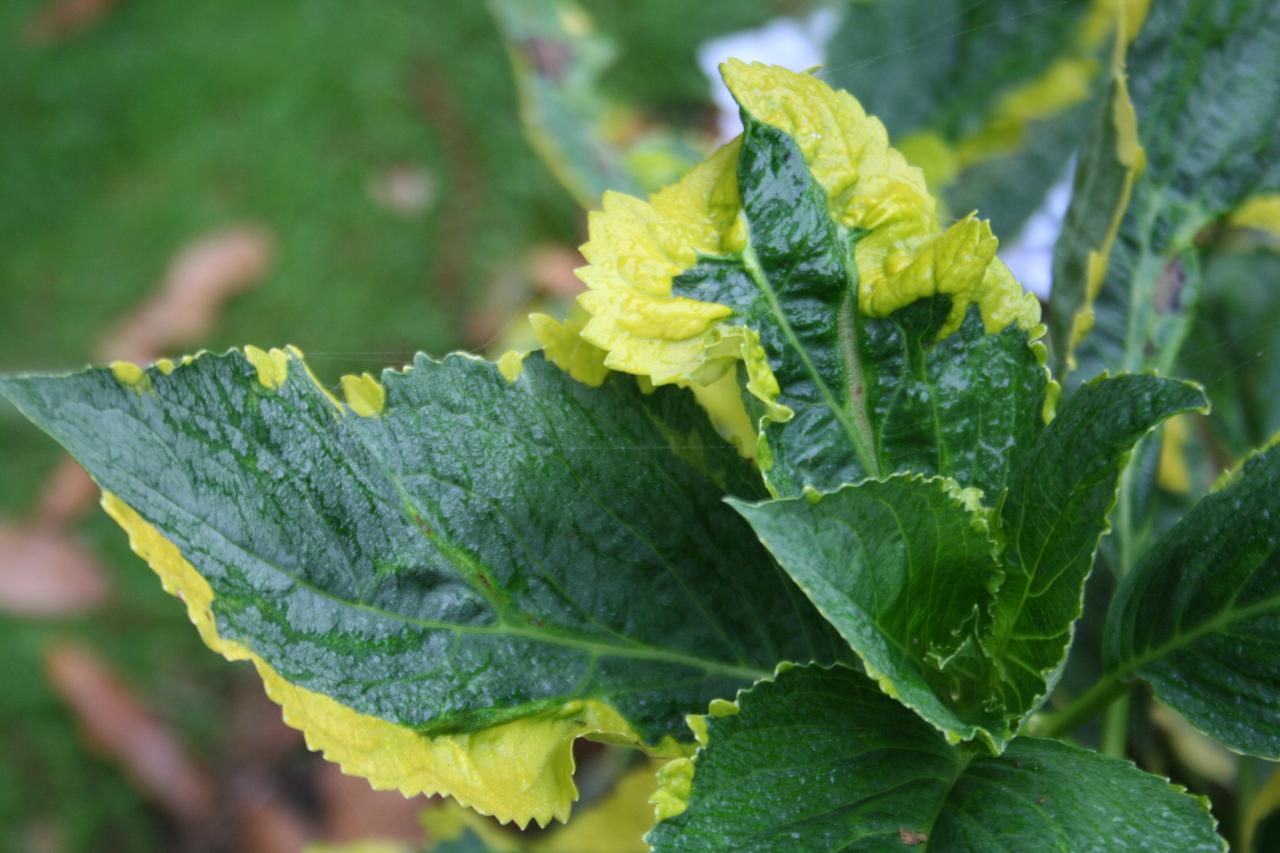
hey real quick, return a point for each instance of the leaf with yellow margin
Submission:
(614, 824)
(437, 579)
(809, 250)
(1135, 306)
(1109, 167)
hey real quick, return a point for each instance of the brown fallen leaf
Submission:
(266, 822)
(67, 493)
(354, 811)
(63, 18)
(45, 573)
(115, 720)
(551, 268)
(201, 278)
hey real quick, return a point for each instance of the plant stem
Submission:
(1085, 707)
(1115, 728)
(1246, 790)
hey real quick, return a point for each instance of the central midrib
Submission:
(859, 434)
(543, 635)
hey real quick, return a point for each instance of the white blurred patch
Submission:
(1030, 256)
(800, 44)
(795, 43)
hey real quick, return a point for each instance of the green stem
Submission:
(1115, 728)
(1124, 523)
(1246, 790)
(1085, 707)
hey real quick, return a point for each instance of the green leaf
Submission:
(987, 97)
(821, 760)
(1205, 81)
(969, 634)
(1053, 517)
(468, 551)
(1200, 617)
(869, 396)
(1110, 163)
(904, 568)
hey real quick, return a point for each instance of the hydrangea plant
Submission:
(793, 504)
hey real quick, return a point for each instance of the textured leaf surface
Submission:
(987, 98)
(904, 568)
(1205, 81)
(1053, 517)
(1200, 616)
(820, 760)
(966, 626)
(475, 552)
(870, 396)
(874, 342)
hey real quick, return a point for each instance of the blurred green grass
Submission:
(166, 120)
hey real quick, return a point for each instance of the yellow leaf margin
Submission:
(636, 248)
(517, 771)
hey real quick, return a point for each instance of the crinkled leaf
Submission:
(873, 340)
(468, 551)
(820, 760)
(1200, 617)
(1053, 516)
(868, 396)
(1205, 81)
(904, 568)
(615, 823)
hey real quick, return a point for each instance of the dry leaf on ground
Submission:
(201, 278)
(63, 18)
(45, 573)
(115, 721)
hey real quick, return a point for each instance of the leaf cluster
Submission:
(800, 464)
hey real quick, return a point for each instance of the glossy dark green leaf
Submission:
(477, 551)
(1053, 516)
(941, 67)
(971, 635)
(1200, 617)
(1205, 80)
(821, 760)
(904, 568)
(870, 396)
